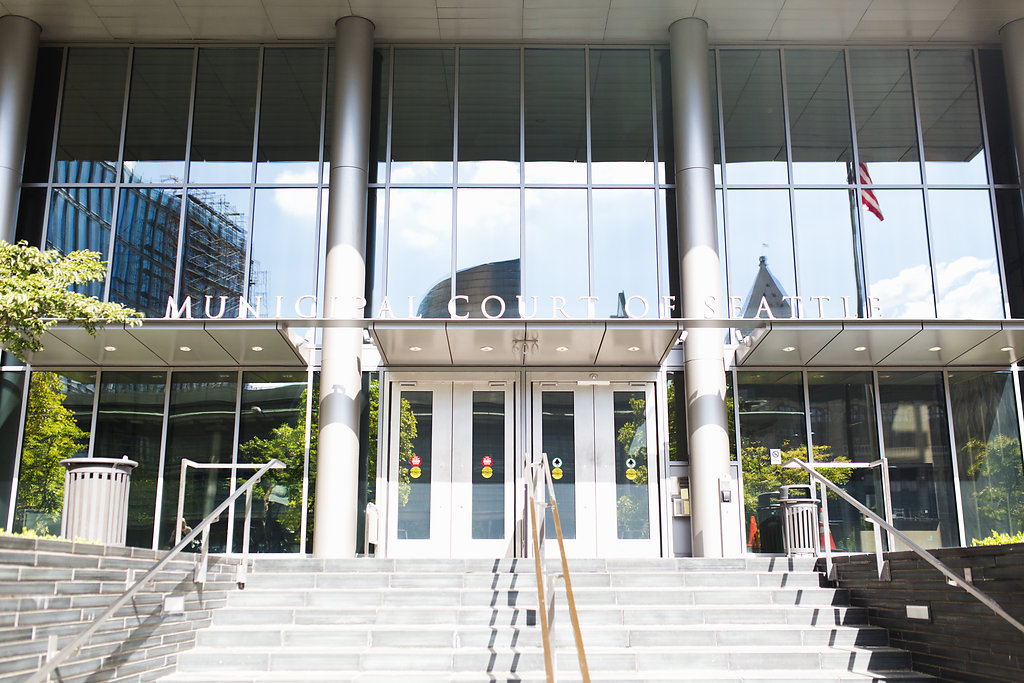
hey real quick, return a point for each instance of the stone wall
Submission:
(963, 640)
(50, 591)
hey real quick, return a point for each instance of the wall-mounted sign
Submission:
(493, 307)
(776, 456)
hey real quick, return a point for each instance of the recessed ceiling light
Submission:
(257, 349)
(633, 348)
(110, 348)
(1006, 348)
(415, 348)
(486, 349)
(185, 348)
(860, 348)
(788, 349)
(935, 348)
(562, 349)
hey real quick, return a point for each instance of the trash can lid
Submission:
(796, 492)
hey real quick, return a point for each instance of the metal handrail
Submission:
(540, 479)
(51, 664)
(875, 519)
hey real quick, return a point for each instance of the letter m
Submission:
(174, 311)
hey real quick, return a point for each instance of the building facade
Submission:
(408, 254)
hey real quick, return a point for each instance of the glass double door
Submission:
(450, 469)
(601, 448)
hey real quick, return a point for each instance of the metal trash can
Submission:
(799, 519)
(769, 522)
(96, 499)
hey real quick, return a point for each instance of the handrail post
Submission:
(178, 522)
(242, 568)
(203, 527)
(549, 659)
(879, 559)
(827, 531)
(924, 554)
(204, 555)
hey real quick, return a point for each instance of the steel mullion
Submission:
(251, 237)
(522, 173)
(165, 426)
(948, 398)
(453, 286)
(591, 259)
(16, 472)
(118, 174)
(663, 287)
(307, 441)
(1000, 267)
(886, 483)
(789, 174)
(387, 174)
(229, 543)
(912, 71)
(182, 218)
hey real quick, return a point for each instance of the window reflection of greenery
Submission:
(51, 434)
(631, 442)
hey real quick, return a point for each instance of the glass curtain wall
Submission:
(223, 209)
(861, 173)
(525, 173)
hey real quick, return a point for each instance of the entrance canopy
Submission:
(425, 343)
(874, 342)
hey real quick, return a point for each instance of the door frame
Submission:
(386, 455)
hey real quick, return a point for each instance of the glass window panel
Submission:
(290, 107)
(819, 116)
(755, 136)
(157, 126)
(915, 432)
(997, 116)
(966, 265)
(678, 448)
(225, 115)
(954, 150)
(826, 252)
(11, 389)
(420, 252)
(844, 429)
(80, 219)
(988, 452)
(896, 255)
(129, 421)
(487, 249)
(558, 440)
(314, 431)
(555, 258)
(90, 118)
(631, 466)
(376, 259)
(423, 116)
(1011, 232)
(488, 116)
(884, 108)
(556, 116)
(666, 245)
(145, 249)
(621, 137)
(625, 252)
(723, 249)
(379, 116)
(200, 427)
(273, 425)
(771, 412)
(43, 115)
(488, 465)
(284, 241)
(213, 263)
(58, 420)
(760, 251)
(31, 209)
(368, 416)
(415, 464)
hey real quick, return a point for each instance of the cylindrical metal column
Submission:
(1012, 36)
(19, 42)
(337, 476)
(700, 282)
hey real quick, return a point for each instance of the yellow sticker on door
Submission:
(556, 473)
(415, 472)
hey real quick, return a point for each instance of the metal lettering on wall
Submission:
(493, 307)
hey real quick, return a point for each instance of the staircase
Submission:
(750, 619)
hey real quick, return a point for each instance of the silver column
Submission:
(337, 480)
(699, 271)
(19, 42)
(1012, 36)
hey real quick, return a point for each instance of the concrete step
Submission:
(676, 658)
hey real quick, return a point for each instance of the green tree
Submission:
(51, 434)
(631, 442)
(996, 470)
(36, 291)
